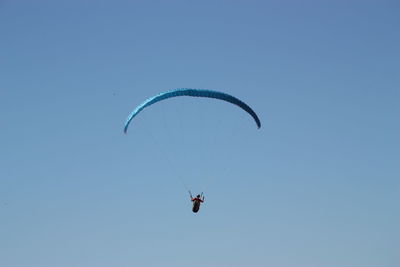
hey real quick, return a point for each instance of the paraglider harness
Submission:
(196, 201)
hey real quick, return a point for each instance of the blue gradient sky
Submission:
(317, 186)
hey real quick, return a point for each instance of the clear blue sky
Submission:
(317, 186)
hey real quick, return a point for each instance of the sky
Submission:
(317, 186)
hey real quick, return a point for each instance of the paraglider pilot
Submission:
(196, 201)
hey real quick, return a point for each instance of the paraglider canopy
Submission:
(193, 93)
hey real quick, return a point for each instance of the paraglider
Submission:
(196, 201)
(194, 93)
